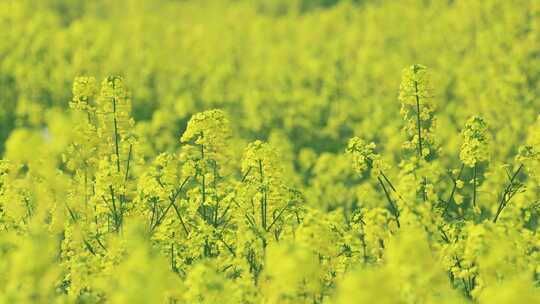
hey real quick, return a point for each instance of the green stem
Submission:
(172, 200)
(116, 216)
(474, 184)
(507, 194)
(454, 188)
(418, 125)
(419, 128)
(263, 197)
(116, 137)
(128, 162)
(393, 207)
(203, 182)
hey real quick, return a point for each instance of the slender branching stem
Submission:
(172, 203)
(454, 188)
(419, 128)
(116, 136)
(116, 211)
(264, 196)
(474, 183)
(128, 162)
(418, 121)
(511, 189)
(393, 207)
(277, 217)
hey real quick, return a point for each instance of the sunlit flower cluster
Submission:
(251, 155)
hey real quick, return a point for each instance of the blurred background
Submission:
(303, 74)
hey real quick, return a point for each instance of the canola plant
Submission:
(235, 151)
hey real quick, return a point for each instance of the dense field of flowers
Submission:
(252, 151)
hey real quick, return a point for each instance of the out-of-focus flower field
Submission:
(253, 151)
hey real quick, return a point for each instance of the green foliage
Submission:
(267, 151)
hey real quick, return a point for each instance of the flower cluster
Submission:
(142, 193)
(475, 147)
(210, 131)
(364, 157)
(248, 231)
(84, 90)
(417, 107)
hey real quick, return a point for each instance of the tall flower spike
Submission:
(474, 149)
(475, 142)
(210, 130)
(415, 94)
(82, 152)
(114, 105)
